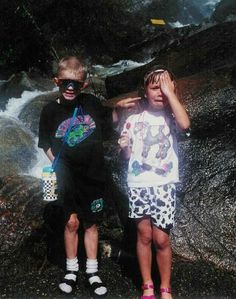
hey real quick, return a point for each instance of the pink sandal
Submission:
(146, 287)
(165, 290)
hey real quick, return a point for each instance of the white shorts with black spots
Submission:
(157, 202)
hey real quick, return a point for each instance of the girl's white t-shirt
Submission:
(154, 156)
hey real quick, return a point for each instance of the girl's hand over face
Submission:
(167, 85)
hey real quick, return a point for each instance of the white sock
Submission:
(92, 267)
(71, 265)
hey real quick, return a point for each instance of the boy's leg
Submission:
(91, 241)
(163, 258)
(66, 196)
(92, 205)
(71, 245)
(144, 252)
(71, 236)
(91, 248)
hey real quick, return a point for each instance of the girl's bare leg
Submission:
(164, 258)
(144, 252)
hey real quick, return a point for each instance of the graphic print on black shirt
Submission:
(84, 148)
(83, 126)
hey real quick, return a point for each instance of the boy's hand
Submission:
(128, 103)
(167, 85)
(123, 141)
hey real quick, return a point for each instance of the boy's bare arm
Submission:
(49, 154)
(126, 103)
(168, 88)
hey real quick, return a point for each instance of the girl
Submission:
(148, 141)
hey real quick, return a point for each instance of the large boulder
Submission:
(210, 98)
(30, 113)
(17, 147)
(225, 11)
(208, 49)
(21, 225)
(19, 82)
(206, 208)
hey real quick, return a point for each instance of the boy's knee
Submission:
(91, 229)
(73, 223)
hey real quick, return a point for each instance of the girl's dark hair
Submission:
(150, 75)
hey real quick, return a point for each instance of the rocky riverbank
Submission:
(195, 280)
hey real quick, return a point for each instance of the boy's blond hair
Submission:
(73, 64)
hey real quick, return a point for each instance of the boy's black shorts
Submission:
(80, 194)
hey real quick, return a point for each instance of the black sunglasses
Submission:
(67, 83)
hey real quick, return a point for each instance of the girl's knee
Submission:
(161, 239)
(162, 242)
(145, 234)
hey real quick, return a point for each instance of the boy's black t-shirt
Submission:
(83, 149)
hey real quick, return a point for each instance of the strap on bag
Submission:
(55, 161)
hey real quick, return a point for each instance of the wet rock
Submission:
(96, 86)
(124, 282)
(210, 99)
(21, 235)
(30, 113)
(17, 148)
(213, 52)
(17, 83)
(206, 208)
(225, 11)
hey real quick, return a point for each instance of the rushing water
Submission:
(116, 68)
(13, 109)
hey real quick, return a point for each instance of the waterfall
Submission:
(15, 105)
(13, 109)
(206, 7)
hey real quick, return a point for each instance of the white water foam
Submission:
(15, 105)
(117, 68)
(13, 109)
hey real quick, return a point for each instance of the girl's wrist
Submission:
(170, 94)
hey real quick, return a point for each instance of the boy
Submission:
(149, 142)
(80, 169)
